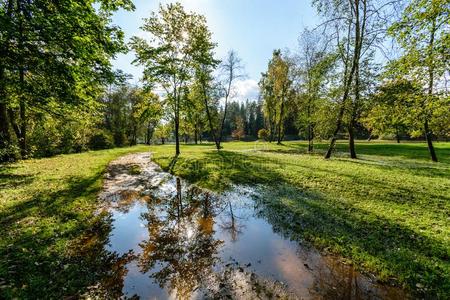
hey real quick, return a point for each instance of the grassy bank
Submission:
(388, 211)
(51, 243)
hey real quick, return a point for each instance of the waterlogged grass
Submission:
(51, 244)
(388, 211)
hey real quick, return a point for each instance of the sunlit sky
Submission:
(253, 28)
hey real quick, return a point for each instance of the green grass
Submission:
(388, 211)
(51, 242)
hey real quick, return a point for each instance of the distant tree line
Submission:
(59, 94)
(336, 85)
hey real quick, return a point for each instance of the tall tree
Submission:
(168, 56)
(204, 64)
(423, 33)
(277, 91)
(53, 54)
(268, 99)
(232, 70)
(356, 26)
(313, 65)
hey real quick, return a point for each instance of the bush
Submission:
(101, 140)
(44, 139)
(238, 134)
(9, 153)
(263, 134)
(120, 139)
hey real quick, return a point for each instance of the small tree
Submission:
(263, 134)
(162, 132)
(239, 132)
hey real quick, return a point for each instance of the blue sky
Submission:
(254, 28)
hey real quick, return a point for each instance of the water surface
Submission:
(188, 243)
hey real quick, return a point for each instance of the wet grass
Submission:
(51, 244)
(388, 211)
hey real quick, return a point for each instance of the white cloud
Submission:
(246, 89)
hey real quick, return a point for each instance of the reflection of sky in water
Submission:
(193, 228)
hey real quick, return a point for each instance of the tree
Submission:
(195, 112)
(276, 92)
(263, 134)
(171, 55)
(356, 26)
(423, 34)
(149, 112)
(268, 98)
(239, 132)
(204, 65)
(232, 70)
(313, 65)
(389, 108)
(53, 55)
(162, 132)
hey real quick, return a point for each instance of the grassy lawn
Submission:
(51, 243)
(388, 212)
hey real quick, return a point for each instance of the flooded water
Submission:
(187, 243)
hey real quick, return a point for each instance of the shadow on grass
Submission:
(53, 246)
(386, 246)
(393, 250)
(402, 150)
(8, 179)
(219, 169)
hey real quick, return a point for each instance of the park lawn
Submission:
(51, 241)
(388, 212)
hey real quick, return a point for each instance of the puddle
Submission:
(189, 243)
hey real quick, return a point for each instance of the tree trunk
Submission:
(397, 136)
(351, 140)
(428, 132)
(280, 122)
(349, 79)
(429, 137)
(149, 134)
(310, 144)
(5, 137)
(208, 114)
(23, 121)
(177, 136)
(223, 119)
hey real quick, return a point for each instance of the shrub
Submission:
(263, 134)
(9, 153)
(238, 134)
(101, 140)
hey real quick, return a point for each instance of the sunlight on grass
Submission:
(387, 211)
(46, 206)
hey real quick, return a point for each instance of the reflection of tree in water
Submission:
(181, 250)
(232, 224)
(89, 252)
